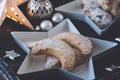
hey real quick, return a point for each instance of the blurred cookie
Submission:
(54, 62)
(111, 6)
(77, 41)
(80, 58)
(99, 16)
(90, 3)
(58, 49)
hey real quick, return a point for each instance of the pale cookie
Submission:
(99, 16)
(57, 48)
(80, 58)
(111, 6)
(54, 62)
(77, 41)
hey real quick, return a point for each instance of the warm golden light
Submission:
(11, 18)
(12, 9)
(15, 13)
(21, 23)
(23, 19)
(8, 16)
(14, 19)
(5, 10)
(18, 2)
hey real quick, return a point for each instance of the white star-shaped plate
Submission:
(35, 63)
(74, 10)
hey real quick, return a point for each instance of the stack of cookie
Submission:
(66, 49)
(101, 11)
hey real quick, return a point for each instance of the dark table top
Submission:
(7, 43)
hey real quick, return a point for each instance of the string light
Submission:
(10, 7)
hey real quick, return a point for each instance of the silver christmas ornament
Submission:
(11, 54)
(57, 17)
(46, 25)
(37, 28)
(39, 8)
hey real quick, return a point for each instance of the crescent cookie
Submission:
(80, 58)
(54, 62)
(99, 16)
(111, 6)
(77, 41)
(57, 48)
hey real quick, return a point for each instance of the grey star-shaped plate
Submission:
(74, 10)
(35, 63)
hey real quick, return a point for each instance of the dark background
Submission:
(100, 62)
